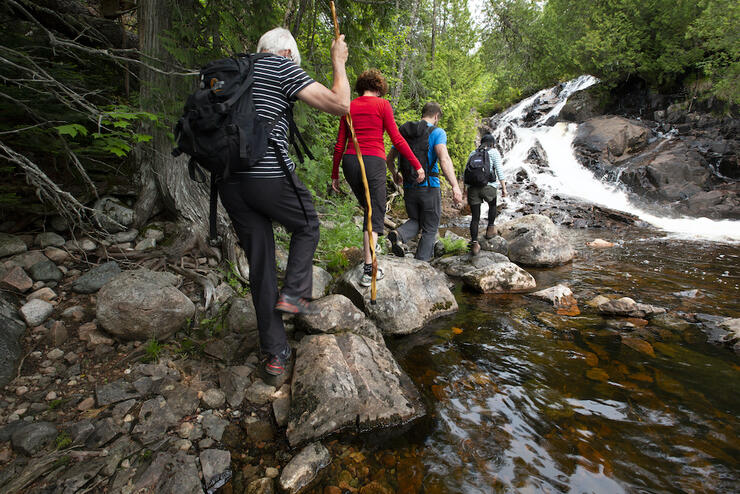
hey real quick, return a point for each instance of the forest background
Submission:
(91, 89)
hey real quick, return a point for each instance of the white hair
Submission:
(279, 39)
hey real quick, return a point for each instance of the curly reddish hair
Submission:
(371, 80)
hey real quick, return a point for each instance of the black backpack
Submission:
(220, 129)
(478, 170)
(416, 135)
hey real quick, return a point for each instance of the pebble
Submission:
(186, 428)
(271, 472)
(125, 463)
(21, 390)
(52, 395)
(214, 398)
(86, 404)
(128, 418)
(183, 445)
(55, 354)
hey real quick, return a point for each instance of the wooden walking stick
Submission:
(348, 119)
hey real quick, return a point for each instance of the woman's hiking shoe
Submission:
(474, 248)
(396, 245)
(367, 279)
(294, 305)
(490, 231)
(277, 365)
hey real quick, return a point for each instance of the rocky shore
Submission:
(124, 378)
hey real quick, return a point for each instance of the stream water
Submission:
(522, 399)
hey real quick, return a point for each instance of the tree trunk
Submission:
(163, 177)
(398, 89)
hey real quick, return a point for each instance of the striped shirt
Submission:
(277, 81)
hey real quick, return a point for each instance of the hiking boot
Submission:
(474, 248)
(490, 231)
(367, 279)
(396, 245)
(294, 305)
(278, 365)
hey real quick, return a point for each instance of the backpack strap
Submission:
(212, 213)
(288, 175)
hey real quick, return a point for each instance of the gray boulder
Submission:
(112, 215)
(337, 314)
(45, 270)
(459, 266)
(36, 312)
(143, 304)
(487, 272)
(30, 439)
(612, 135)
(321, 281)
(304, 468)
(242, 317)
(11, 350)
(10, 244)
(494, 244)
(411, 294)
(49, 239)
(93, 280)
(534, 240)
(215, 464)
(347, 381)
(28, 259)
(170, 474)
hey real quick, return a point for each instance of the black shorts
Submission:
(375, 170)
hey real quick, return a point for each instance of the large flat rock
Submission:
(411, 294)
(534, 240)
(347, 381)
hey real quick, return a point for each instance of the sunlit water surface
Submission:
(524, 400)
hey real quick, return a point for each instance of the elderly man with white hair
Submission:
(263, 194)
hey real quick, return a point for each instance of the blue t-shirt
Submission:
(437, 136)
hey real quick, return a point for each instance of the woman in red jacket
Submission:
(371, 115)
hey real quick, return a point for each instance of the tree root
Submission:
(209, 289)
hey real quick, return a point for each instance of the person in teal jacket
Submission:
(478, 194)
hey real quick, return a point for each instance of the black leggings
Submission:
(475, 211)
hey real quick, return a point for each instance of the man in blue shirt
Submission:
(423, 200)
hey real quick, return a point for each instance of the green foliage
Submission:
(54, 404)
(190, 348)
(63, 440)
(454, 245)
(232, 278)
(214, 326)
(152, 350)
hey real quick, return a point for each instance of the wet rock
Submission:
(459, 266)
(558, 296)
(612, 135)
(242, 318)
(16, 279)
(36, 312)
(112, 215)
(597, 374)
(259, 393)
(304, 468)
(264, 485)
(500, 277)
(411, 294)
(155, 417)
(214, 463)
(496, 244)
(234, 382)
(32, 438)
(720, 330)
(214, 398)
(639, 345)
(625, 306)
(345, 381)
(534, 240)
(142, 305)
(258, 430)
(170, 474)
(337, 314)
(93, 280)
(213, 425)
(10, 244)
(115, 392)
(321, 281)
(582, 105)
(49, 239)
(46, 294)
(671, 322)
(596, 301)
(688, 293)
(599, 244)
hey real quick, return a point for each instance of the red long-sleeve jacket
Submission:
(370, 117)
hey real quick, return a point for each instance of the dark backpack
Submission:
(416, 135)
(220, 129)
(478, 168)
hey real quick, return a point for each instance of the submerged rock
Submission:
(411, 294)
(347, 381)
(143, 304)
(534, 240)
(625, 306)
(304, 468)
(558, 296)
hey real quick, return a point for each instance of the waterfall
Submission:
(529, 129)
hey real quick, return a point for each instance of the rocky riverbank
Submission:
(119, 377)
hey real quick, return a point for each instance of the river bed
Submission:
(523, 399)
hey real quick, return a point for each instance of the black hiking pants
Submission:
(424, 207)
(253, 204)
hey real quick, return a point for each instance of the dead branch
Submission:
(209, 289)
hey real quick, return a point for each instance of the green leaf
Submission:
(72, 130)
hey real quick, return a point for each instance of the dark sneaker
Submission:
(367, 279)
(490, 231)
(474, 248)
(396, 245)
(294, 305)
(277, 365)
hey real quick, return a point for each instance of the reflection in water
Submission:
(527, 400)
